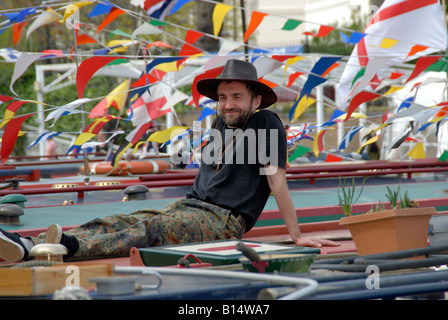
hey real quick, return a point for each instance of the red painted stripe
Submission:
(388, 13)
(399, 9)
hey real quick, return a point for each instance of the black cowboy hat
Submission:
(242, 71)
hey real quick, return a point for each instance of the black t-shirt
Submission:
(235, 179)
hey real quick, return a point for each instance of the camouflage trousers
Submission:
(183, 221)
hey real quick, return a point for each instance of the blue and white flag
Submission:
(66, 110)
(348, 137)
(43, 137)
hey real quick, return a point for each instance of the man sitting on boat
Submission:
(229, 193)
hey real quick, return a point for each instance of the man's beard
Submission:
(238, 122)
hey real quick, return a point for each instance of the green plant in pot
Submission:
(347, 195)
(403, 226)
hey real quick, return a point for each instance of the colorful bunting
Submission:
(318, 144)
(112, 15)
(130, 140)
(355, 37)
(179, 4)
(370, 141)
(323, 32)
(159, 9)
(314, 79)
(66, 110)
(45, 18)
(333, 158)
(16, 18)
(10, 135)
(357, 100)
(219, 13)
(88, 68)
(146, 105)
(91, 131)
(23, 62)
(291, 24)
(167, 134)
(145, 28)
(421, 65)
(212, 73)
(188, 49)
(298, 152)
(418, 152)
(101, 8)
(400, 139)
(348, 136)
(205, 112)
(17, 30)
(11, 110)
(443, 156)
(43, 137)
(293, 77)
(301, 106)
(415, 49)
(5, 99)
(255, 20)
(149, 106)
(413, 22)
(116, 98)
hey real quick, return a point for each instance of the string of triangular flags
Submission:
(316, 76)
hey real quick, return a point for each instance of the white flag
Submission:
(393, 31)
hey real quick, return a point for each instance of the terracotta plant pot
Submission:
(389, 230)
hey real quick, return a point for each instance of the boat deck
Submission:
(316, 205)
(315, 198)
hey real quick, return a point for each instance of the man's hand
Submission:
(314, 242)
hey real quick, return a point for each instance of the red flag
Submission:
(88, 68)
(11, 110)
(333, 158)
(5, 98)
(149, 78)
(17, 31)
(255, 21)
(82, 39)
(318, 143)
(323, 32)
(149, 106)
(113, 14)
(188, 49)
(293, 78)
(421, 65)
(9, 137)
(361, 97)
(212, 73)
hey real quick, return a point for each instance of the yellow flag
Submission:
(370, 141)
(71, 9)
(167, 134)
(290, 62)
(418, 152)
(7, 117)
(354, 115)
(218, 16)
(169, 66)
(83, 138)
(388, 43)
(392, 89)
(304, 103)
(119, 44)
(119, 95)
